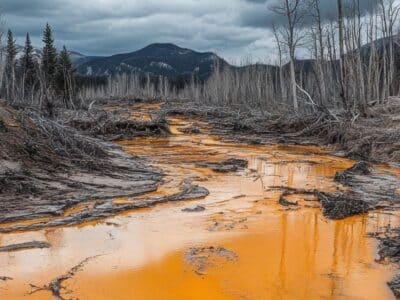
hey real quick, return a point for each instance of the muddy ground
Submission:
(68, 172)
(48, 167)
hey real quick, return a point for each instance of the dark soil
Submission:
(342, 205)
(361, 168)
(284, 202)
(226, 166)
(390, 245)
(389, 250)
(366, 190)
(395, 286)
(5, 278)
(202, 258)
(197, 208)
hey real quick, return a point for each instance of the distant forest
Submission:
(353, 63)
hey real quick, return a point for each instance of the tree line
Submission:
(352, 64)
(41, 82)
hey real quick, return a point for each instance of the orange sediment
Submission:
(281, 253)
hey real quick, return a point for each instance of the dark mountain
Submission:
(79, 58)
(157, 59)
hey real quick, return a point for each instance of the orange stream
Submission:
(281, 253)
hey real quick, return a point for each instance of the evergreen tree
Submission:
(28, 64)
(64, 60)
(11, 53)
(65, 77)
(49, 59)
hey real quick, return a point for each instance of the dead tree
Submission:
(315, 12)
(280, 57)
(2, 50)
(389, 12)
(292, 11)
(343, 92)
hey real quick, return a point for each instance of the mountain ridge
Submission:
(165, 59)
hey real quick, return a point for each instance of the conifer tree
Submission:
(64, 60)
(28, 64)
(65, 77)
(49, 59)
(11, 53)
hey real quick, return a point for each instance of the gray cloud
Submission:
(232, 28)
(259, 14)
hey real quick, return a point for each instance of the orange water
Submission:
(281, 253)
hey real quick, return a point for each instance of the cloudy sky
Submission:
(232, 28)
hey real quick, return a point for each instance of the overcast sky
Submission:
(232, 28)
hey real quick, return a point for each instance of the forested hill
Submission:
(158, 59)
(173, 61)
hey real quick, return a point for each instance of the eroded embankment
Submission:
(258, 234)
(374, 137)
(57, 173)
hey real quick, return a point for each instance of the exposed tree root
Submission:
(55, 286)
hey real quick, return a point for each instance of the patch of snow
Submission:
(89, 71)
(126, 65)
(161, 65)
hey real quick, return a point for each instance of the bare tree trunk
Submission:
(281, 79)
(319, 49)
(343, 93)
(293, 84)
